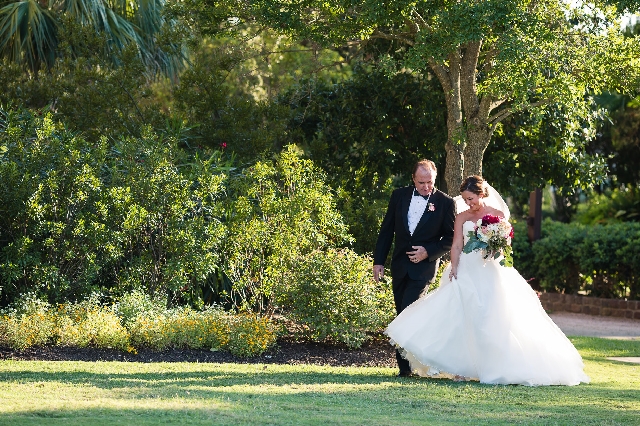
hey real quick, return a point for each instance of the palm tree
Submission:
(29, 30)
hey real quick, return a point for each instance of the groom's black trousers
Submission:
(405, 293)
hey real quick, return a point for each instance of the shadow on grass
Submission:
(264, 394)
(216, 379)
(233, 394)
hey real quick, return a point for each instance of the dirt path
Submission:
(596, 326)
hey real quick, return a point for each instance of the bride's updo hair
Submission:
(474, 184)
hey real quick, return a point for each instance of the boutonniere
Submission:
(431, 207)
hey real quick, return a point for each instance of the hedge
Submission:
(596, 260)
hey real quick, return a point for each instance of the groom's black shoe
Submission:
(405, 374)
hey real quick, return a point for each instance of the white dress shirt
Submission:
(416, 210)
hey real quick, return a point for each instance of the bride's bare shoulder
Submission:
(463, 217)
(495, 212)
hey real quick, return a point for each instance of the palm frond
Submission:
(86, 12)
(28, 31)
(28, 34)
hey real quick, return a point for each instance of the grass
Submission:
(114, 393)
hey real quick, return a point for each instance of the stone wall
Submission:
(554, 302)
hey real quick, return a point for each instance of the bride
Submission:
(484, 322)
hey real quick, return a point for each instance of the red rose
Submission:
(489, 219)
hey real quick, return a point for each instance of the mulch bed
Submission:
(375, 353)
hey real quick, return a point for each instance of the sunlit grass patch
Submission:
(74, 393)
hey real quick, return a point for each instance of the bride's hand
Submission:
(453, 274)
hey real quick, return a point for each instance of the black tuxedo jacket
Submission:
(434, 232)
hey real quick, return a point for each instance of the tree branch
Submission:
(488, 104)
(414, 27)
(395, 37)
(488, 57)
(421, 22)
(442, 72)
(454, 101)
(501, 115)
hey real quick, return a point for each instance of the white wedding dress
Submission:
(486, 325)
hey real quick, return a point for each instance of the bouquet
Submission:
(492, 234)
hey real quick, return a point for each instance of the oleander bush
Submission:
(333, 296)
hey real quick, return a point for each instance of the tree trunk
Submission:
(477, 142)
(449, 78)
(469, 128)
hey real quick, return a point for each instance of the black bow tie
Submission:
(417, 194)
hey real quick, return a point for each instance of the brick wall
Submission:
(555, 302)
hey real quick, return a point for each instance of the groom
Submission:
(421, 219)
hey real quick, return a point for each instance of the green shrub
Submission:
(108, 216)
(619, 205)
(133, 304)
(150, 332)
(186, 328)
(333, 296)
(282, 209)
(88, 324)
(523, 259)
(596, 260)
(609, 260)
(250, 334)
(556, 257)
(26, 330)
(166, 211)
(54, 241)
(29, 322)
(214, 329)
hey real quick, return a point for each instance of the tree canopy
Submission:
(493, 58)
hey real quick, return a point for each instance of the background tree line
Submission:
(215, 157)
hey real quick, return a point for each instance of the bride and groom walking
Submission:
(484, 322)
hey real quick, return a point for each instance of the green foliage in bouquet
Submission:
(493, 239)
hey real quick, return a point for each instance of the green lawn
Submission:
(115, 393)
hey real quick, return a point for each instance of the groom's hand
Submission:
(378, 272)
(418, 254)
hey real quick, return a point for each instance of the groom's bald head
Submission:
(428, 165)
(424, 177)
